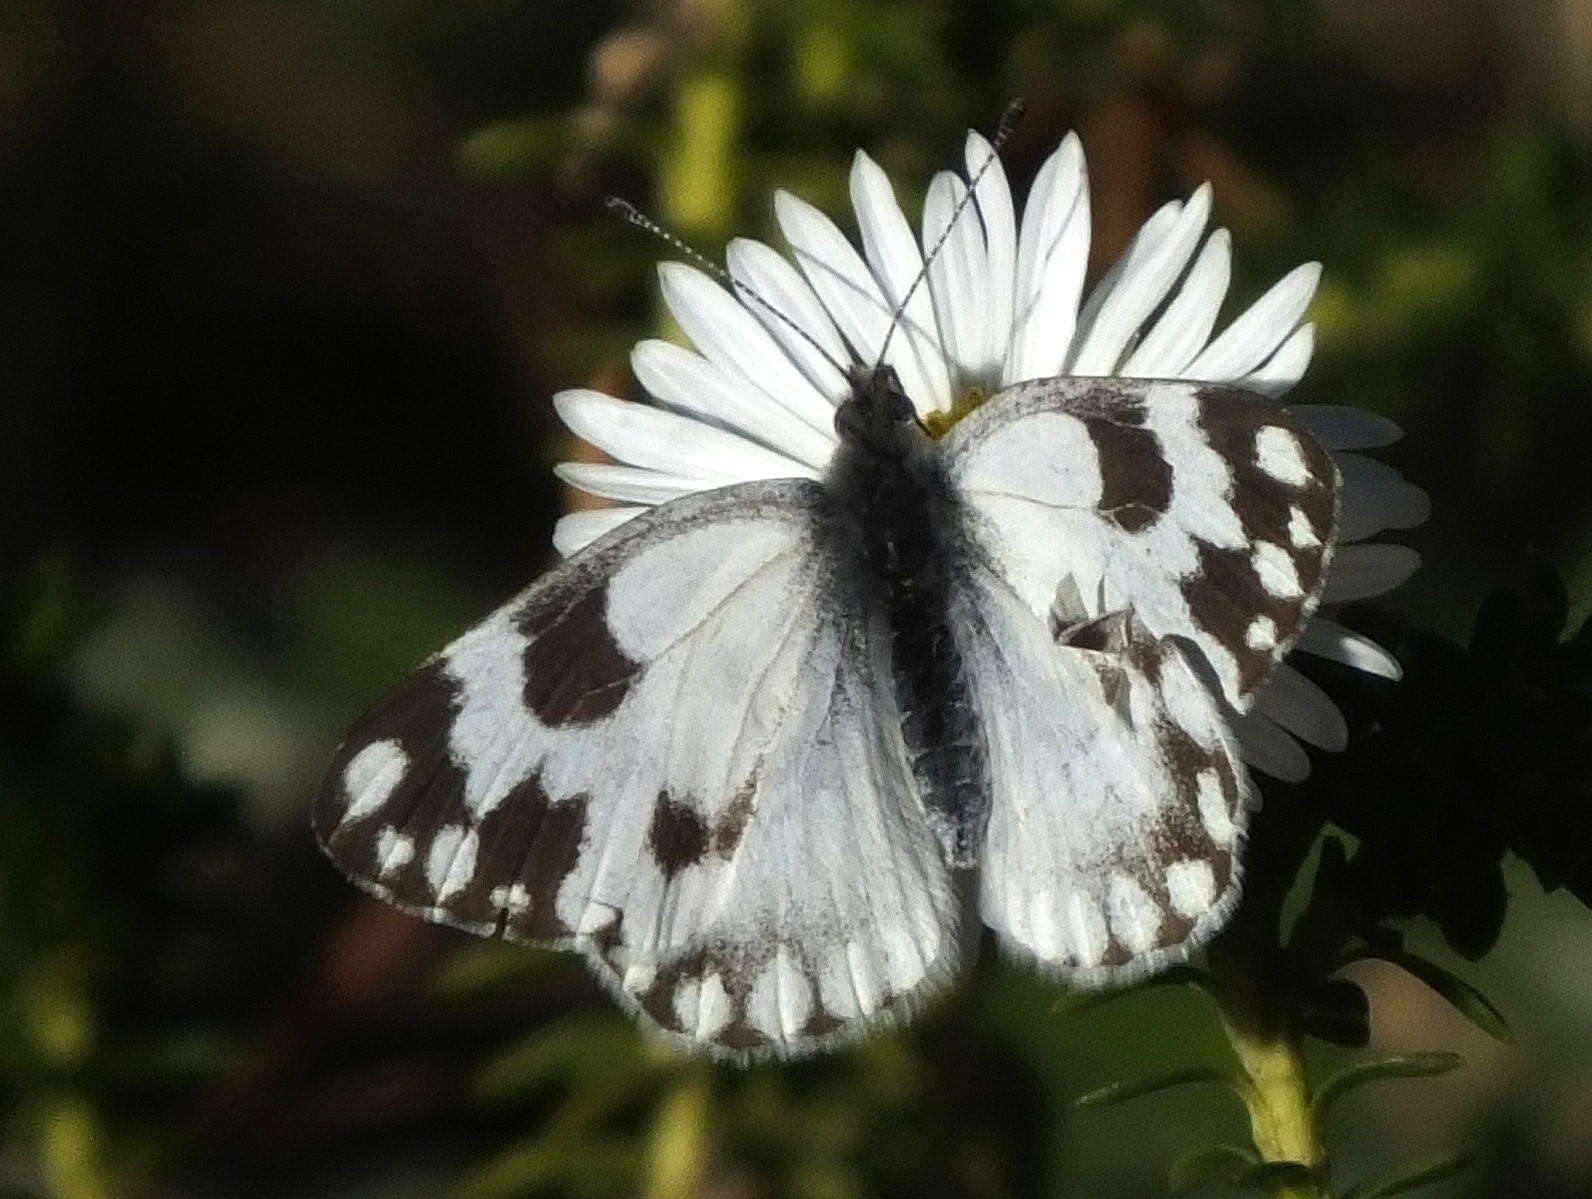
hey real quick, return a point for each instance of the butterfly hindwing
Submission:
(1117, 796)
(678, 753)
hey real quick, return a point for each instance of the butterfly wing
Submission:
(1206, 510)
(1117, 795)
(679, 753)
(1142, 554)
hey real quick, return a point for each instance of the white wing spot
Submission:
(782, 998)
(714, 1008)
(371, 776)
(1274, 567)
(1135, 918)
(597, 917)
(514, 899)
(903, 958)
(640, 976)
(450, 861)
(1300, 530)
(1262, 633)
(1213, 808)
(1088, 930)
(686, 995)
(862, 978)
(1045, 933)
(1277, 453)
(394, 851)
(1191, 886)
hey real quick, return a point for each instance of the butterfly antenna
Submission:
(1003, 133)
(634, 215)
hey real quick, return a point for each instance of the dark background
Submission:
(285, 286)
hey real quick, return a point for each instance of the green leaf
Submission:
(1214, 1163)
(1323, 926)
(1404, 1065)
(1133, 1088)
(1076, 1002)
(1268, 1176)
(1336, 1011)
(1411, 1177)
(1466, 999)
(489, 966)
(580, 1049)
(47, 611)
(592, 1165)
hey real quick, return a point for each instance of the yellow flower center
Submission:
(939, 423)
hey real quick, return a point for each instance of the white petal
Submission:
(1051, 256)
(1376, 497)
(897, 262)
(1186, 324)
(1151, 264)
(1266, 747)
(1328, 639)
(1286, 367)
(958, 281)
(731, 338)
(1150, 234)
(1256, 333)
(686, 382)
(631, 483)
(765, 270)
(846, 286)
(993, 196)
(1369, 508)
(1358, 571)
(644, 436)
(1357, 469)
(1302, 709)
(579, 529)
(1341, 428)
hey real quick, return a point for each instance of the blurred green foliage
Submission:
(286, 287)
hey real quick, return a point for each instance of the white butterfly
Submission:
(738, 749)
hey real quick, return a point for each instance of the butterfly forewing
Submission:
(679, 753)
(1205, 510)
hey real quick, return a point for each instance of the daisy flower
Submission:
(1004, 301)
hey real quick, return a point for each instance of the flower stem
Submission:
(1270, 1053)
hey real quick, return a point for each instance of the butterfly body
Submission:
(896, 509)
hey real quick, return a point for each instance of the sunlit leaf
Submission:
(578, 1048)
(486, 966)
(1404, 1065)
(1133, 1088)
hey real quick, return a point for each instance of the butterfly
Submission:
(764, 753)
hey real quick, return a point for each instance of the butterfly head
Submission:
(877, 413)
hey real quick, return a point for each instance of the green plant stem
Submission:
(1270, 1054)
(1259, 1014)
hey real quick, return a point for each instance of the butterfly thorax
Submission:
(902, 528)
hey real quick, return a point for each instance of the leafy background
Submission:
(286, 285)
